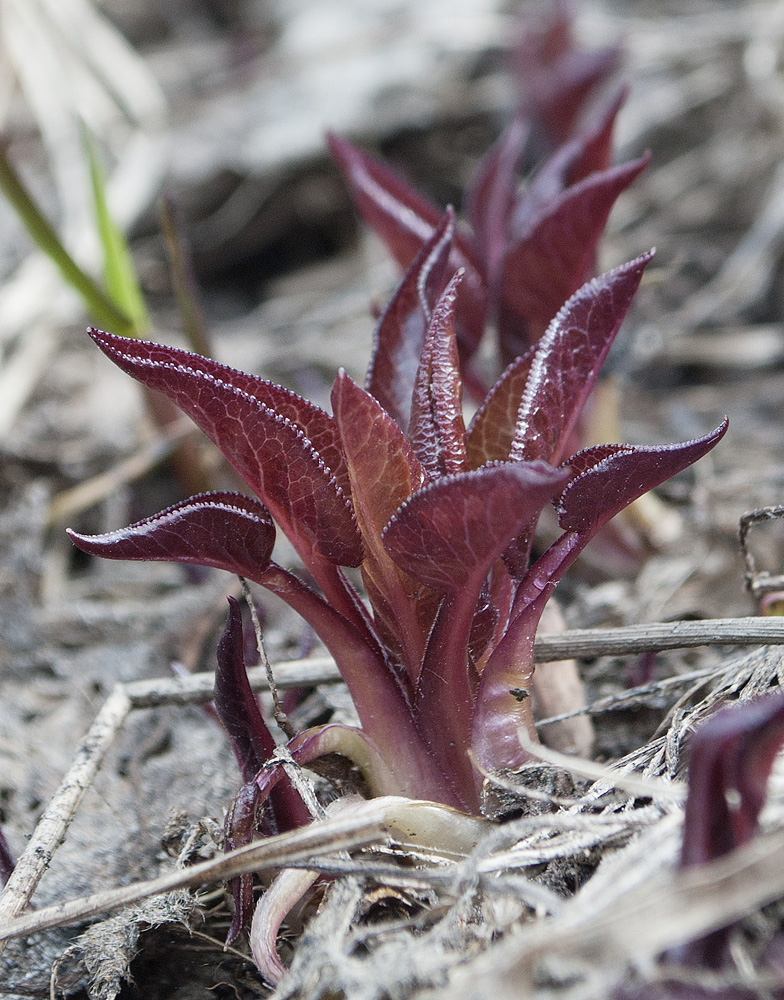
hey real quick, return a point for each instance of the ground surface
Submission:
(287, 277)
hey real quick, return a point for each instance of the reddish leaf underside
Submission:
(550, 261)
(400, 334)
(491, 432)
(567, 362)
(404, 220)
(224, 530)
(384, 473)
(450, 533)
(270, 451)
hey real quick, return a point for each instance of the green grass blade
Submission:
(120, 277)
(102, 309)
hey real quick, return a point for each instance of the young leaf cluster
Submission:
(438, 516)
(524, 249)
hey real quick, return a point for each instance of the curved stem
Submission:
(503, 704)
(443, 703)
(404, 773)
(380, 701)
(342, 596)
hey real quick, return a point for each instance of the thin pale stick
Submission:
(51, 829)
(295, 774)
(280, 716)
(298, 847)
(585, 643)
(200, 687)
(591, 642)
(71, 502)
(632, 695)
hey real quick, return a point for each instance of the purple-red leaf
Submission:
(483, 625)
(240, 827)
(404, 220)
(401, 216)
(384, 473)
(235, 702)
(490, 197)
(567, 361)
(620, 477)
(225, 530)
(270, 450)
(595, 144)
(253, 745)
(383, 470)
(491, 432)
(615, 478)
(556, 77)
(437, 430)
(450, 533)
(554, 255)
(730, 760)
(400, 333)
(503, 703)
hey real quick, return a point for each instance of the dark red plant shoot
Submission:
(525, 248)
(730, 759)
(439, 517)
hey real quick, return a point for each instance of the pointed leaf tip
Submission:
(404, 219)
(235, 703)
(457, 527)
(224, 530)
(437, 431)
(400, 333)
(567, 361)
(610, 477)
(553, 250)
(286, 449)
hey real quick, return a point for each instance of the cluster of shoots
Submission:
(436, 513)
(439, 516)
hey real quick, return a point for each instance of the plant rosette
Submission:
(439, 518)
